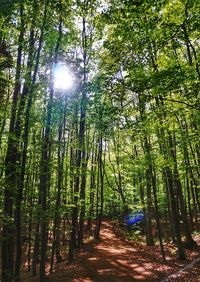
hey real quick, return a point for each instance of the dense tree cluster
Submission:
(124, 138)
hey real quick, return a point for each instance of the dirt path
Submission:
(115, 260)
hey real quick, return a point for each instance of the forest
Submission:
(99, 121)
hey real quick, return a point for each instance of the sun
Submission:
(63, 78)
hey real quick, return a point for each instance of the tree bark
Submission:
(10, 169)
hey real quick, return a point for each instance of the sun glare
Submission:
(63, 78)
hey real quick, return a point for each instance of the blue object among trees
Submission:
(133, 218)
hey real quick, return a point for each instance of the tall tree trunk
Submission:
(18, 130)
(57, 218)
(81, 149)
(10, 169)
(147, 153)
(92, 186)
(45, 167)
(153, 179)
(82, 199)
(101, 182)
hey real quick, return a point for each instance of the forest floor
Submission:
(115, 259)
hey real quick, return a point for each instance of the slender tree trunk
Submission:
(80, 151)
(174, 216)
(57, 219)
(146, 149)
(82, 199)
(18, 130)
(36, 246)
(148, 218)
(153, 177)
(101, 182)
(45, 168)
(92, 186)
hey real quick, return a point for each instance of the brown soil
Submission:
(114, 259)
